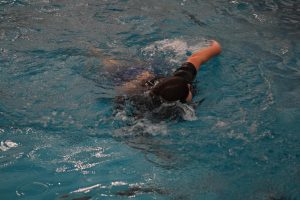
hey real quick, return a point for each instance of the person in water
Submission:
(178, 86)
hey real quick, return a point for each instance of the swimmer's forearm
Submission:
(134, 85)
(203, 55)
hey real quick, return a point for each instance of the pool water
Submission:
(61, 137)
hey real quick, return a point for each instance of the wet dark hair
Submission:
(172, 89)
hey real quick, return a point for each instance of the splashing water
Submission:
(6, 145)
(175, 50)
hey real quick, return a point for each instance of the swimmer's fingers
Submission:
(144, 75)
(110, 62)
(127, 88)
(216, 45)
(97, 52)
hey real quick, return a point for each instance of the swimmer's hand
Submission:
(144, 76)
(216, 47)
(203, 55)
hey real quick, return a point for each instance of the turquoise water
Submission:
(60, 137)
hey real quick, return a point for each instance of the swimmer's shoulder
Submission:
(142, 82)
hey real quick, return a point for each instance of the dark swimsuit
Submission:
(187, 71)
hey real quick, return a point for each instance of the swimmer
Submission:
(178, 86)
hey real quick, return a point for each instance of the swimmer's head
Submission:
(173, 88)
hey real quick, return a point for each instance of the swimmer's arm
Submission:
(203, 55)
(134, 85)
(109, 63)
(127, 88)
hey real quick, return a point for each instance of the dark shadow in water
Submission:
(66, 197)
(193, 18)
(132, 191)
(281, 198)
(134, 132)
(155, 151)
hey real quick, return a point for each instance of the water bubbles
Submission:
(141, 127)
(81, 159)
(8, 144)
(234, 2)
(188, 112)
(176, 45)
(87, 189)
(121, 115)
(183, 2)
(221, 124)
(54, 113)
(173, 51)
(61, 169)
(260, 18)
(284, 50)
(118, 183)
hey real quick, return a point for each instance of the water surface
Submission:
(62, 139)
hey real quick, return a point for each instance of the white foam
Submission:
(8, 144)
(148, 127)
(220, 124)
(142, 126)
(118, 183)
(178, 46)
(189, 113)
(121, 115)
(87, 189)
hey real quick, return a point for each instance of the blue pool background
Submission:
(60, 137)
